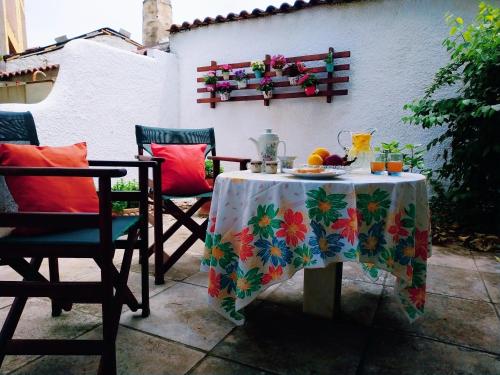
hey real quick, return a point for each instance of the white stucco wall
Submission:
(100, 94)
(395, 50)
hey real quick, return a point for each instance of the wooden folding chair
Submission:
(19, 128)
(86, 235)
(164, 204)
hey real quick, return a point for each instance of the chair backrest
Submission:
(145, 135)
(18, 127)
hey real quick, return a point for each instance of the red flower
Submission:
(246, 249)
(417, 296)
(212, 225)
(273, 274)
(397, 229)
(409, 272)
(213, 283)
(348, 225)
(292, 228)
(421, 244)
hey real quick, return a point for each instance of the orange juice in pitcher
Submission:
(360, 151)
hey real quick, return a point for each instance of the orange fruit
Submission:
(323, 152)
(315, 159)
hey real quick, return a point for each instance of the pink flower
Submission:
(226, 68)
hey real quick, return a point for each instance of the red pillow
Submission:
(183, 171)
(46, 193)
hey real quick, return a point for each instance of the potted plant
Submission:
(226, 70)
(209, 176)
(241, 78)
(329, 62)
(278, 62)
(309, 83)
(210, 81)
(294, 71)
(123, 208)
(258, 68)
(266, 86)
(224, 91)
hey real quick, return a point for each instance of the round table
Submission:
(263, 228)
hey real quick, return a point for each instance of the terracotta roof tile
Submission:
(270, 10)
(27, 71)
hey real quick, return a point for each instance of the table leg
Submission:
(322, 289)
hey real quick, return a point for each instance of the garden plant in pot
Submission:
(266, 86)
(258, 68)
(278, 62)
(122, 208)
(224, 91)
(309, 83)
(209, 176)
(241, 78)
(329, 62)
(226, 71)
(210, 81)
(294, 71)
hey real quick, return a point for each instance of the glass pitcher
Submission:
(359, 152)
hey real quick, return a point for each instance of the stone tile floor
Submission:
(460, 333)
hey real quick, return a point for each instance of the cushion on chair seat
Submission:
(89, 236)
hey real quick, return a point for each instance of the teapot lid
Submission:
(268, 130)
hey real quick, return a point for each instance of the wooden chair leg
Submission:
(158, 227)
(108, 358)
(54, 277)
(15, 312)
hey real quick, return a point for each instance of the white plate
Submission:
(325, 173)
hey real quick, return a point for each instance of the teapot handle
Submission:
(371, 130)
(338, 139)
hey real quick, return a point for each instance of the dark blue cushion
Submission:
(88, 236)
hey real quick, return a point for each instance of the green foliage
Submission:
(468, 146)
(122, 185)
(209, 169)
(413, 155)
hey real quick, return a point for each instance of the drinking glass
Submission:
(394, 164)
(377, 165)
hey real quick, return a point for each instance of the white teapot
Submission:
(267, 145)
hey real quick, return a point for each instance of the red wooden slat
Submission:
(319, 56)
(287, 95)
(251, 86)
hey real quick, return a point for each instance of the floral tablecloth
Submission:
(264, 228)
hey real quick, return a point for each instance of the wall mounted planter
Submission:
(315, 64)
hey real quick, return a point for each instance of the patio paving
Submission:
(459, 334)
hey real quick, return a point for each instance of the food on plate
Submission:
(310, 170)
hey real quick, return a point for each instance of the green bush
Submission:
(209, 169)
(467, 183)
(122, 185)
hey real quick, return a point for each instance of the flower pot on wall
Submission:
(267, 94)
(279, 72)
(329, 67)
(225, 76)
(311, 90)
(258, 74)
(224, 96)
(242, 84)
(293, 80)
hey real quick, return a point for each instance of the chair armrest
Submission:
(122, 163)
(230, 159)
(217, 159)
(62, 172)
(149, 158)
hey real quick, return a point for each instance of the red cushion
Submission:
(50, 194)
(183, 171)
